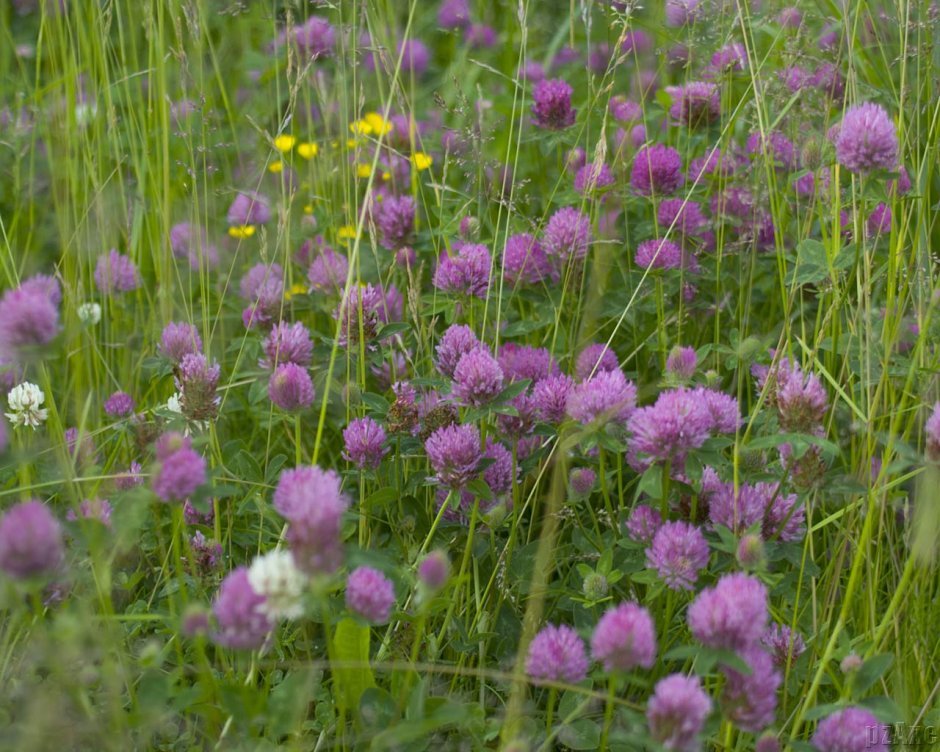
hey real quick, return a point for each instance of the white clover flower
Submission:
(275, 576)
(25, 402)
(89, 313)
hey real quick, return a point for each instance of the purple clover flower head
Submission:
(364, 441)
(119, 405)
(532, 70)
(879, 221)
(198, 383)
(575, 159)
(249, 208)
(774, 145)
(194, 517)
(767, 742)
(624, 638)
(181, 470)
(796, 78)
(668, 430)
(593, 178)
(395, 219)
(525, 362)
(850, 730)
(327, 272)
(49, 286)
(178, 340)
(92, 509)
(465, 273)
(131, 479)
(524, 261)
(750, 700)
(867, 139)
(800, 398)
(658, 254)
(731, 57)
(643, 524)
(635, 42)
(683, 215)
(454, 453)
(694, 104)
(239, 611)
(287, 343)
(434, 570)
(607, 395)
(310, 500)
(263, 284)
(784, 645)
(676, 712)
(730, 615)
(657, 170)
(478, 378)
(480, 36)
(316, 38)
(595, 358)
(550, 398)
(29, 316)
(453, 14)
(790, 17)
(415, 57)
(932, 431)
(290, 388)
(903, 183)
(190, 243)
(678, 553)
(552, 108)
(370, 594)
(738, 512)
(206, 553)
(624, 110)
(498, 474)
(115, 273)
(456, 342)
(581, 482)
(30, 541)
(557, 654)
(681, 363)
(567, 235)
(723, 408)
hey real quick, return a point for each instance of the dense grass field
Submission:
(476, 375)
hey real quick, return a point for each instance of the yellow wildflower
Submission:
(421, 160)
(276, 167)
(241, 231)
(284, 143)
(308, 150)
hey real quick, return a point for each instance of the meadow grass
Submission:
(98, 153)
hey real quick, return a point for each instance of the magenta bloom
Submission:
(524, 261)
(678, 553)
(550, 398)
(197, 383)
(456, 342)
(850, 730)
(784, 645)
(581, 482)
(774, 145)
(310, 499)
(290, 388)
(643, 524)
(434, 570)
(732, 614)
(591, 178)
(364, 440)
(131, 479)
(526, 362)
(557, 654)
(453, 14)
(395, 218)
(668, 430)
(466, 273)
(658, 254)
(624, 638)
(249, 208)
(594, 358)
(750, 700)
(801, 399)
(115, 273)
(684, 216)
(287, 343)
(92, 509)
(606, 395)
(477, 378)
(681, 363)
(694, 104)
(179, 339)
(867, 139)
(29, 315)
(239, 612)
(567, 235)
(656, 170)
(624, 110)
(677, 711)
(879, 221)
(119, 405)
(454, 453)
(552, 108)
(181, 470)
(315, 38)
(370, 594)
(932, 430)
(328, 271)
(30, 541)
